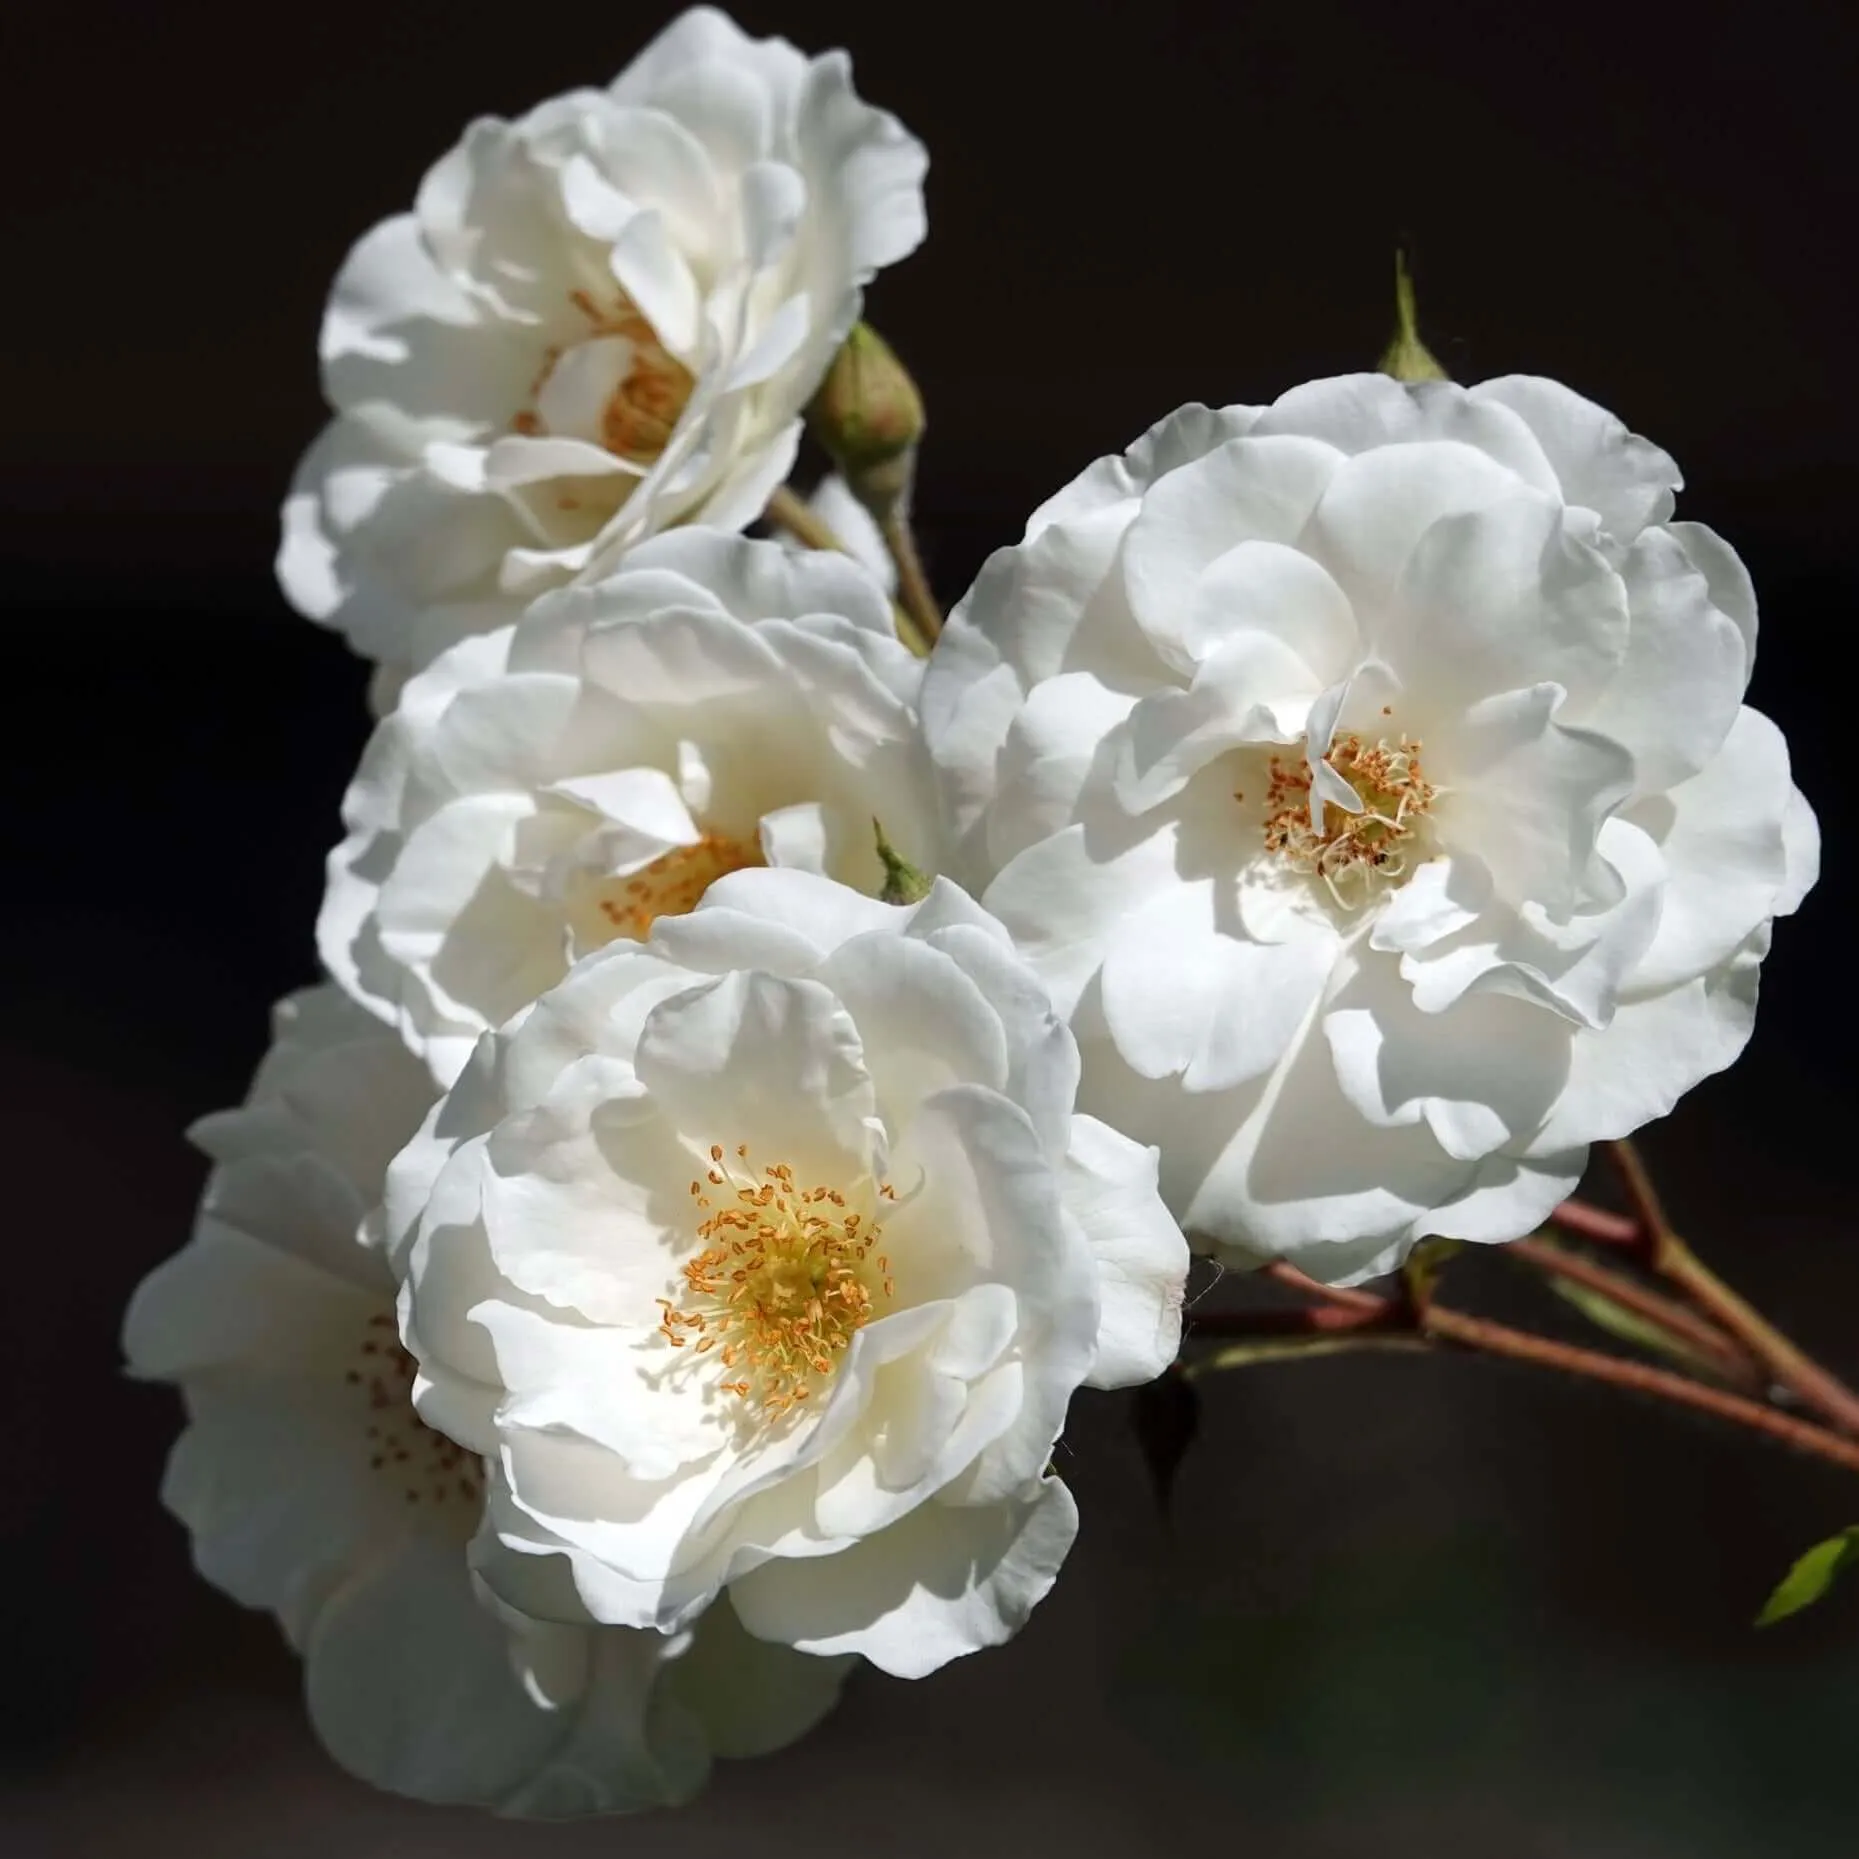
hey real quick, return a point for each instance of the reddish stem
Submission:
(1306, 1320)
(1682, 1322)
(1282, 1271)
(1470, 1332)
(1673, 1259)
(1724, 1328)
(1596, 1223)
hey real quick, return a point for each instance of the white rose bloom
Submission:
(718, 702)
(767, 1257)
(599, 321)
(312, 1489)
(1367, 777)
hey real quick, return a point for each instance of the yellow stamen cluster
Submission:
(644, 408)
(667, 887)
(788, 1278)
(1351, 849)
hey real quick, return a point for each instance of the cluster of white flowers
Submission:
(654, 1268)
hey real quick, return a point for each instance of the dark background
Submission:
(1406, 1606)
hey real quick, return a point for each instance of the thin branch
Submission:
(1596, 1223)
(914, 593)
(1305, 1349)
(1642, 1196)
(1303, 1320)
(798, 517)
(1282, 1271)
(1786, 1362)
(1340, 1318)
(1673, 1259)
(1328, 1329)
(1470, 1332)
(1699, 1334)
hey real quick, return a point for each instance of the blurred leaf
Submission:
(1811, 1577)
(1631, 1327)
(1167, 1416)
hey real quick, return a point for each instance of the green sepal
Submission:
(903, 883)
(1406, 357)
(1422, 1271)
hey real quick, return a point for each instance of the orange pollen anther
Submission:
(668, 887)
(642, 412)
(785, 1281)
(1351, 848)
(426, 1467)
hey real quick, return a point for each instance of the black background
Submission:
(1405, 1606)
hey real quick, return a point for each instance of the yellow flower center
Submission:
(1351, 852)
(788, 1277)
(643, 409)
(610, 908)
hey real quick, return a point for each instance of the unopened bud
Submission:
(869, 416)
(1407, 358)
(903, 883)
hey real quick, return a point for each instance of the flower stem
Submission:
(1716, 1329)
(1597, 1224)
(1306, 1320)
(1469, 1332)
(1306, 1349)
(1673, 1259)
(1329, 1328)
(914, 593)
(1282, 1271)
(1703, 1337)
(794, 514)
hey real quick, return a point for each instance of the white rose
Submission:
(1367, 776)
(601, 320)
(717, 703)
(312, 1489)
(767, 1257)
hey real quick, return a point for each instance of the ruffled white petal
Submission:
(940, 1583)
(1111, 1191)
(1625, 480)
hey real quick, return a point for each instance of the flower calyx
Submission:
(1406, 357)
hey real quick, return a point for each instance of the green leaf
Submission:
(1631, 1327)
(1811, 1577)
(903, 883)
